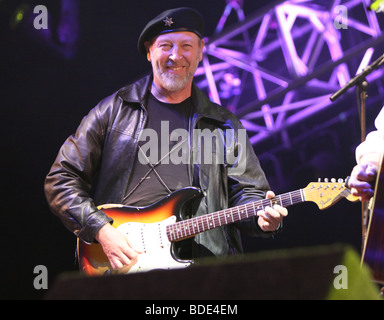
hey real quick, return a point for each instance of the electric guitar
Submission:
(373, 250)
(154, 229)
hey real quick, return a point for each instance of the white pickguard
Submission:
(151, 239)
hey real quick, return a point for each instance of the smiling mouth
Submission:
(175, 68)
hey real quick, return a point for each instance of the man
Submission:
(368, 157)
(107, 160)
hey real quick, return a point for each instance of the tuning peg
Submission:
(333, 180)
(340, 180)
(326, 180)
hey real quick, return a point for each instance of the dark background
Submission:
(46, 88)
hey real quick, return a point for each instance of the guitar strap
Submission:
(153, 168)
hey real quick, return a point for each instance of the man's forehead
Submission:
(177, 36)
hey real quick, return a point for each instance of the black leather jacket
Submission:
(94, 165)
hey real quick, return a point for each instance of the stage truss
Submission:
(279, 66)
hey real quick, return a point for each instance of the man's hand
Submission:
(116, 247)
(270, 218)
(361, 181)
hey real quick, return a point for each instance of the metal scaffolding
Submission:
(279, 66)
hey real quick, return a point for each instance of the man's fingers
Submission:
(371, 171)
(264, 225)
(281, 211)
(275, 213)
(365, 172)
(276, 210)
(270, 194)
(134, 250)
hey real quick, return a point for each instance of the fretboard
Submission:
(191, 227)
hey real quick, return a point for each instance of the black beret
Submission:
(173, 20)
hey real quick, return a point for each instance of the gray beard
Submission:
(174, 82)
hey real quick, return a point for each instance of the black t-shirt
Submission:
(162, 121)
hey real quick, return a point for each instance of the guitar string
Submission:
(216, 219)
(203, 223)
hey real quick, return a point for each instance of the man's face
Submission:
(175, 58)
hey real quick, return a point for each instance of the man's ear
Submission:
(202, 44)
(147, 46)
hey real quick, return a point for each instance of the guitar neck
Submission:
(191, 227)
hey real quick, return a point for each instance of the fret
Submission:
(241, 215)
(225, 217)
(211, 223)
(228, 214)
(174, 234)
(187, 228)
(279, 198)
(196, 220)
(262, 205)
(182, 229)
(284, 201)
(201, 224)
(219, 219)
(206, 223)
(178, 231)
(198, 226)
(195, 223)
(192, 223)
(302, 195)
(244, 212)
(170, 233)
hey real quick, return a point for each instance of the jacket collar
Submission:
(204, 107)
(139, 91)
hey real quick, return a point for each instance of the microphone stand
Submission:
(359, 78)
(362, 88)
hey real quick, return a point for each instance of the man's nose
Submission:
(176, 53)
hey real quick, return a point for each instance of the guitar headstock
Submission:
(326, 193)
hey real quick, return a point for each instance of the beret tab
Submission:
(173, 20)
